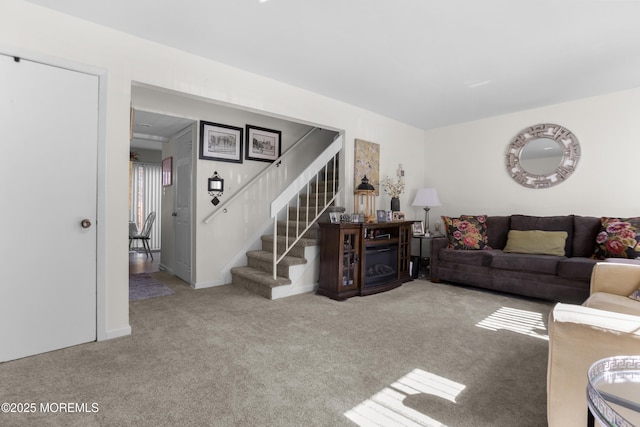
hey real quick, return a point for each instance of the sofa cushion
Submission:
(498, 228)
(576, 268)
(544, 264)
(612, 302)
(585, 230)
(618, 238)
(536, 242)
(546, 223)
(476, 258)
(466, 232)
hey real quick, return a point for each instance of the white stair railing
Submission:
(257, 178)
(322, 171)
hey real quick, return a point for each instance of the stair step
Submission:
(257, 281)
(312, 199)
(268, 256)
(257, 276)
(311, 233)
(329, 185)
(263, 260)
(296, 251)
(312, 212)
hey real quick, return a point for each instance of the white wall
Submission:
(32, 31)
(466, 162)
(215, 250)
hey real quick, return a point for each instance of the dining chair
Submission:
(143, 235)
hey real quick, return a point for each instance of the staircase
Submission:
(298, 271)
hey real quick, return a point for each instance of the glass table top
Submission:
(613, 391)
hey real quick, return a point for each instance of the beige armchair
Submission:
(607, 324)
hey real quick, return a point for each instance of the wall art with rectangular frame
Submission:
(263, 144)
(220, 142)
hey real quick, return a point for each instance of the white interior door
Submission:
(48, 176)
(184, 144)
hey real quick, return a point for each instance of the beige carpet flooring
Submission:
(224, 357)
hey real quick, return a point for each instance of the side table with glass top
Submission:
(613, 392)
(424, 253)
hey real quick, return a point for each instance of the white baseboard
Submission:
(116, 333)
(202, 285)
(163, 267)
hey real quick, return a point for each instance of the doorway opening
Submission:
(154, 140)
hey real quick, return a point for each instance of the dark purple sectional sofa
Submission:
(557, 278)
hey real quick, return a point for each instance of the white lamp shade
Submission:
(426, 197)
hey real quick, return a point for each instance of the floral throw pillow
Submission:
(618, 238)
(467, 232)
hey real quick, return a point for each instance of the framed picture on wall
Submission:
(220, 142)
(167, 172)
(263, 144)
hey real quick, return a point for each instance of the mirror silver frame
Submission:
(567, 165)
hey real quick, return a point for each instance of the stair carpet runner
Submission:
(257, 276)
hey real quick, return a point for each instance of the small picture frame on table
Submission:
(334, 218)
(418, 228)
(398, 216)
(381, 216)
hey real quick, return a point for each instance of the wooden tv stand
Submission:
(363, 259)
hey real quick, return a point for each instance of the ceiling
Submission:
(151, 130)
(428, 63)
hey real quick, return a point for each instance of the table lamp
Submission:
(427, 198)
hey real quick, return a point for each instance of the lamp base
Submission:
(426, 220)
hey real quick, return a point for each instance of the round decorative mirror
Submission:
(542, 156)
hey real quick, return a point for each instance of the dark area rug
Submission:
(143, 286)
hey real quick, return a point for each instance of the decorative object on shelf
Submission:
(418, 228)
(167, 172)
(395, 204)
(542, 155)
(365, 200)
(215, 186)
(427, 198)
(133, 156)
(220, 142)
(357, 218)
(398, 216)
(345, 217)
(367, 161)
(394, 188)
(263, 144)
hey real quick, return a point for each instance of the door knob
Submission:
(85, 223)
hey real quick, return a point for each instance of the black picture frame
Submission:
(220, 142)
(263, 144)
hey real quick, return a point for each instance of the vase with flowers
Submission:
(393, 188)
